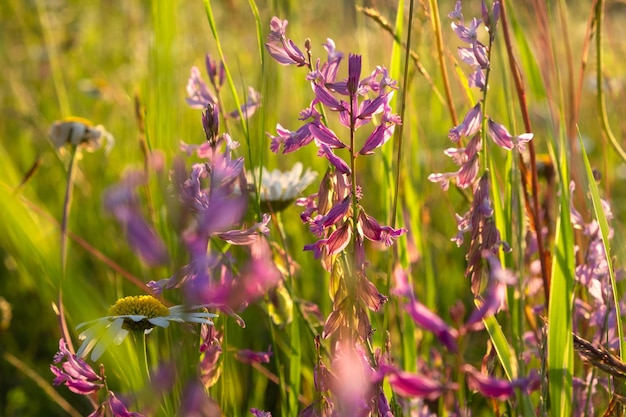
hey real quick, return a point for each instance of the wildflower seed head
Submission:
(139, 305)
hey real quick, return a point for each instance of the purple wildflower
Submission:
(198, 93)
(421, 315)
(495, 299)
(249, 356)
(283, 50)
(122, 201)
(469, 126)
(413, 385)
(504, 139)
(74, 373)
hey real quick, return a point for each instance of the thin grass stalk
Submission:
(601, 101)
(43, 384)
(231, 84)
(398, 134)
(55, 66)
(535, 207)
(436, 22)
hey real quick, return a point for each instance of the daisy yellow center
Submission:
(139, 305)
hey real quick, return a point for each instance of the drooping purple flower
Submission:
(247, 236)
(466, 34)
(119, 409)
(198, 93)
(421, 315)
(199, 96)
(495, 298)
(251, 105)
(234, 293)
(456, 14)
(210, 351)
(504, 139)
(197, 403)
(339, 239)
(326, 136)
(408, 384)
(381, 134)
(340, 164)
(249, 356)
(469, 126)
(260, 413)
(283, 50)
(492, 387)
(74, 372)
(122, 201)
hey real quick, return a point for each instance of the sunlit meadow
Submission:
(371, 208)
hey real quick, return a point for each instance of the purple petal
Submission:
(487, 385)
(354, 73)
(326, 136)
(500, 135)
(425, 318)
(119, 409)
(249, 356)
(337, 162)
(412, 385)
(339, 239)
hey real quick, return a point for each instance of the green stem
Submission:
(604, 119)
(142, 351)
(434, 9)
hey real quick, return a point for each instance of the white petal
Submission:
(160, 321)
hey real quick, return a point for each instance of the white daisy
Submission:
(78, 131)
(279, 189)
(135, 313)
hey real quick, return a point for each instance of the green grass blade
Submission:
(560, 341)
(592, 187)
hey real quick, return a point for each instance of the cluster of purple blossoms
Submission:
(199, 96)
(80, 378)
(329, 212)
(594, 308)
(214, 206)
(478, 221)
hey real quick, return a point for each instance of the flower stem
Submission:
(142, 351)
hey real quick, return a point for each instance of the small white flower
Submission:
(279, 188)
(79, 132)
(135, 313)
